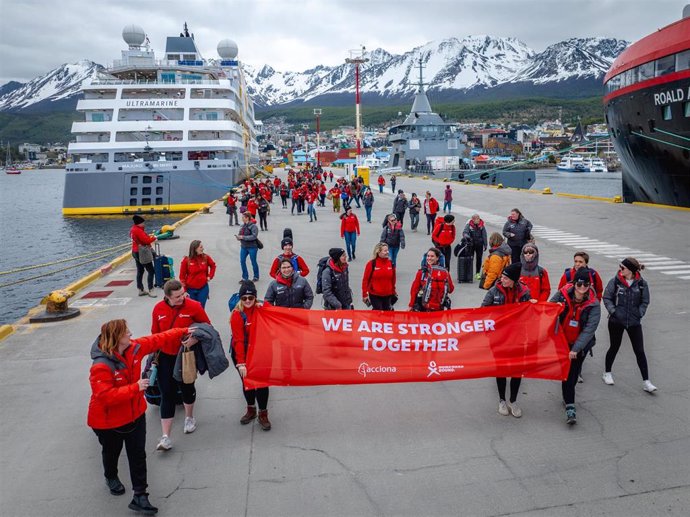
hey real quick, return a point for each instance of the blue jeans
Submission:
(251, 253)
(446, 205)
(393, 254)
(380, 189)
(200, 295)
(312, 212)
(367, 209)
(350, 243)
(414, 220)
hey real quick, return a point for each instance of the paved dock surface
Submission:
(399, 449)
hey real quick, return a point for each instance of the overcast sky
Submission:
(39, 35)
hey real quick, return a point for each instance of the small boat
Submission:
(9, 168)
(595, 165)
(572, 163)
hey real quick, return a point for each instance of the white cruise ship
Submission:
(161, 135)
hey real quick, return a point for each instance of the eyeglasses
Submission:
(248, 298)
(582, 284)
(529, 252)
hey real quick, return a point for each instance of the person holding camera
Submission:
(432, 286)
(117, 406)
(378, 282)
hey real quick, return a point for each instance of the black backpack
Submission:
(323, 264)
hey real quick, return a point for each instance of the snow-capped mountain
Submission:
(454, 68)
(62, 83)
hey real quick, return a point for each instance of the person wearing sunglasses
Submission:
(241, 320)
(581, 260)
(535, 277)
(579, 319)
(626, 299)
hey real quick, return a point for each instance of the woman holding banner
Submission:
(432, 286)
(378, 281)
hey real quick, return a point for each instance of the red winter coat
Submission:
(165, 316)
(539, 285)
(252, 206)
(349, 223)
(431, 206)
(115, 396)
(139, 237)
(594, 278)
(380, 282)
(238, 332)
(275, 267)
(439, 277)
(381, 180)
(443, 234)
(196, 273)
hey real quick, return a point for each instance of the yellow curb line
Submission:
(582, 196)
(654, 205)
(5, 330)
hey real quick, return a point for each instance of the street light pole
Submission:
(306, 148)
(357, 58)
(317, 112)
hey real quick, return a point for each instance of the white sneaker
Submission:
(503, 408)
(165, 444)
(648, 387)
(515, 410)
(189, 425)
(608, 378)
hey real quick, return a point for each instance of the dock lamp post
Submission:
(317, 112)
(306, 147)
(357, 58)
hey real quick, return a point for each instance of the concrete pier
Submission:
(398, 449)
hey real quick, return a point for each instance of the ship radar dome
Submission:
(227, 49)
(133, 35)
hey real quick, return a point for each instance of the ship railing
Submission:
(105, 82)
(390, 170)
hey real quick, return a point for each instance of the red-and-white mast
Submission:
(357, 58)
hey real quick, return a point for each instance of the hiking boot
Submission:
(607, 378)
(648, 387)
(249, 415)
(263, 420)
(570, 416)
(115, 485)
(189, 425)
(140, 503)
(503, 408)
(164, 444)
(515, 410)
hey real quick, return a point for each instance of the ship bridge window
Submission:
(686, 109)
(645, 71)
(683, 60)
(666, 112)
(665, 65)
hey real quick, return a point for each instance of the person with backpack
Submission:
(289, 288)
(579, 319)
(284, 195)
(432, 285)
(378, 281)
(535, 277)
(381, 182)
(117, 408)
(475, 231)
(197, 269)
(626, 299)
(139, 239)
(334, 281)
(249, 238)
(394, 236)
(430, 210)
(400, 204)
(176, 310)
(263, 209)
(508, 289)
(581, 260)
(443, 236)
(349, 230)
(518, 231)
(298, 263)
(414, 207)
(497, 260)
(368, 201)
(241, 320)
(231, 209)
(447, 199)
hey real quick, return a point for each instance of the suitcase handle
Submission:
(157, 248)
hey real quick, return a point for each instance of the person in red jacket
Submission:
(140, 238)
(581, 260)
(174, 311)
(196, 270)
(252, 206)
(378, 281)
(430, 210)
(382, 183)
(431, 286)
(241, 320)
(349, 230)
(535, 277)
(443, 236)
(298, 263)
(335, 197)
(117, 406)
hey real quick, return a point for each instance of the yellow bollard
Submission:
(617, 199)
(547, 191)
(425, 177)
(500, 185)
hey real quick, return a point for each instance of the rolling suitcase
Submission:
(162, 267)
(465, 270)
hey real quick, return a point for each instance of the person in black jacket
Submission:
(289, 289)
(626, 299)
(580, 318)
(518, 231)
(335, 281)
(400, 205)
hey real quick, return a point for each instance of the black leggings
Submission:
(637, 340)
(430, 221)
(263, 221)
(140, 272)
(380, 303)
(259, 395)
(169, 386)
(515, 252)
(478, 252)
(446, 250)
(133, 436)
(514, 387)
(568, 386)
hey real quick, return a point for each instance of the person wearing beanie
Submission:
(140, 238)
(579, 320)
(535, 277)
(349, 230)
(581, 260)
(626, 299)
(298, 263)
(241, 320)
(447, 199)
(400, 204)
(443, 236)
(508, 289)
(335, 281)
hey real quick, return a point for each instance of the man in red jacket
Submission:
(443, 236)
(140, 238)
(430, 210)
(176, 310)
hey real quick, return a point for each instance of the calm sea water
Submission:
(33, 230)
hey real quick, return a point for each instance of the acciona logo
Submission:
(364, 369)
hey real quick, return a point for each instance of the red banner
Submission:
(295, 347)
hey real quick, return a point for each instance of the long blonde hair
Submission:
(377, 250)
(111, 333)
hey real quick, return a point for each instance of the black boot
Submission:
(115, 486)
(140, 503)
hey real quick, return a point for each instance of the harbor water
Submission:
(35, 232)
